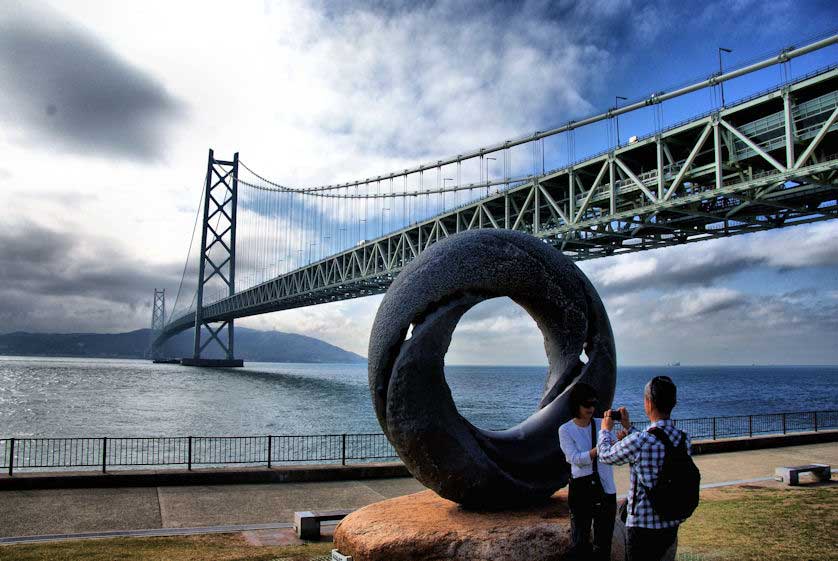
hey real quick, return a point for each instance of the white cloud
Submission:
(712, 261)
(627, 271)
(308, 93)
(695, 303)
(813, 246)
(313, 93)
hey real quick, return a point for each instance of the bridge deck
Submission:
(739, 170)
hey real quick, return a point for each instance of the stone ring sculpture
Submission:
(475, 467)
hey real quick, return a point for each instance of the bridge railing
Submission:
(698, 116)
(270, 450)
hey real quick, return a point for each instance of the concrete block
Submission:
(790, 475)
(307, 525)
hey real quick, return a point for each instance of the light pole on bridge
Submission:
(617, 99)
(721, 84)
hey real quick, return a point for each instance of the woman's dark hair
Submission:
(579, 394)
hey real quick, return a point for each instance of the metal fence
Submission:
(712, 428)
(209, 451)
(189, 451)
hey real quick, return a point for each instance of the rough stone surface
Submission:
(471, 466)
(425, 527)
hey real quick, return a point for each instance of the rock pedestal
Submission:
(425, 527)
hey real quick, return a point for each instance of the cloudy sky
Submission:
(108, 108)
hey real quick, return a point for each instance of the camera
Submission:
(616, 415)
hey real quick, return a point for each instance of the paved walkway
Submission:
(72, 511)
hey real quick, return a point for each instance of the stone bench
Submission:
(791, 475)
(307, 523)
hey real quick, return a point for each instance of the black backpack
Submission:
(675, 495)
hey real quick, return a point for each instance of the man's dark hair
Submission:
(662, 393)
(579, 394)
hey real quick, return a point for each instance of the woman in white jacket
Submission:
(592, 495)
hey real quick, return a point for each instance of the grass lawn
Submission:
(763, 524)
(220, 547)
(732, 524)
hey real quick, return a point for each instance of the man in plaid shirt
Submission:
(648, 536)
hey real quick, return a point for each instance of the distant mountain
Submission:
(251, 345)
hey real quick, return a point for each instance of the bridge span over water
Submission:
(769, 160)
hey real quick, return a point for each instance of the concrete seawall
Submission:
(762, 442)
(323, 472)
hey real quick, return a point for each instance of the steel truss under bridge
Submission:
(767, 162)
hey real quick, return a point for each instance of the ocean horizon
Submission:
(457, 364)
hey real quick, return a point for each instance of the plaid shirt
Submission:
(645, 454)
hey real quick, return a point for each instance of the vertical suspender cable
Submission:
(263, 235)
(272, 245)
(266, 212)
(278, 235)
(321, 227)
(289, 231)
(257, 261)
(301, 231)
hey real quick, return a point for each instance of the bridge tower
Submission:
(158, 320)
(218, 235)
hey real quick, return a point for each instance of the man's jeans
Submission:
(645, 544)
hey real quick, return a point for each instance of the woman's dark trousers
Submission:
(587, 509)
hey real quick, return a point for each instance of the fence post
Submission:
(11, 456)
(189, 456)
(784, 423)
(750, 426)
(270, 448)
(343, 450)
(714, 428)
(104, 454)
(815, 413)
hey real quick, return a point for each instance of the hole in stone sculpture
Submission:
(409, 332)
(584, 356)
(495, 365)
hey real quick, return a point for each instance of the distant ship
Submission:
(673, 364)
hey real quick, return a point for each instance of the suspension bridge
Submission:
(769, 160)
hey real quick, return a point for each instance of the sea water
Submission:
(57, 397)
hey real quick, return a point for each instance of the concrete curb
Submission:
(162, 478)
(327, 472)
(153, 532)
